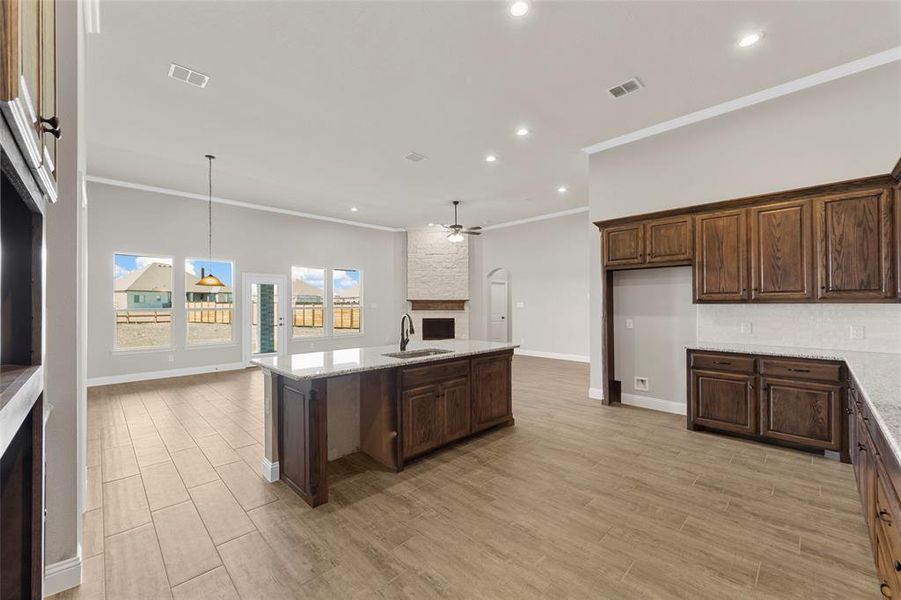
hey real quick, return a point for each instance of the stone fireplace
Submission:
(438, 284)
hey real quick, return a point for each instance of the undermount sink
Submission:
(417, 353)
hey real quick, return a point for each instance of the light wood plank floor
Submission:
(576, 501)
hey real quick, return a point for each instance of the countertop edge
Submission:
(19, 399)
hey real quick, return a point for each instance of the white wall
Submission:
(140, 222)
(845, 129)
(548, 274)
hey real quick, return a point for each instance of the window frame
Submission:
(233, 341)
(326, 302)
(115, 347)
(331, 284)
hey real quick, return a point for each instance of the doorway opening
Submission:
(265, 304)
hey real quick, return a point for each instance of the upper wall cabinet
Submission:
(649, 243)
(781, 251)
(28, 83)
(854, 245)
(720, 271)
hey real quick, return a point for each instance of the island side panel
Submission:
(378, 416)
(303, 438)
(269, 464)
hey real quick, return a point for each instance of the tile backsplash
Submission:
(805, 325)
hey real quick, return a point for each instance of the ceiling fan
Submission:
(457, 231)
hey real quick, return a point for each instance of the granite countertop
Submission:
(20, 387)
(878, 377)
(333, 363)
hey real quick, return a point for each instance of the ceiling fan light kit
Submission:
(457, 231)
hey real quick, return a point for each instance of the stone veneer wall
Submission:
(437, 269)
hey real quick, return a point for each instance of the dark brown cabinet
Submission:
(423, 427)
(854, 245)
(794, 402)
(624, 245)
(781, 251)
(455, 400)
(723, 401)
(491, 398)
(720, 265)
(801, 412)
(668, 240)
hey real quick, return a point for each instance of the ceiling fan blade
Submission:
(467, 232)
(476, 228)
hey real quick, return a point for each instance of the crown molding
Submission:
(250, 205)
(553, 215)
(796, 85)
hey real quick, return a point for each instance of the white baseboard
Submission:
(147, 375)
(596, 393)
(269, 470)
(669, 406)
(555, 355)
(62, 575)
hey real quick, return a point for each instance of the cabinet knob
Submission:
(885, 517)
(861, 447)
(51, 126)
(849, 411)
(885, 590)
(898, 566)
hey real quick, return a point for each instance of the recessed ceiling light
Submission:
(519, 8)
(562, 189)
(354, 209)
(750, 39)
(522, 131)
(491, 158)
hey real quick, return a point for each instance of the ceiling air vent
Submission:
(187, 75)
(414, 157)
(633, 85)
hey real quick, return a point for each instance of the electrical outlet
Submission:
(520, 305)
(641, 384)
(171, 358)
(746, 327)
(858, 332)
(630, 324)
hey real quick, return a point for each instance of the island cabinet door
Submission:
(782, 251)
(457, 408)
(720, 267)
(854, 237)
(724, 401)
(801, 412)
(423, 419)
(491, 394)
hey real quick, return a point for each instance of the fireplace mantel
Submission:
(438, 304)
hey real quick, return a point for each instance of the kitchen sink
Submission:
(417, 353)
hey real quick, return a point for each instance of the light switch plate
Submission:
(746, 327)
(858, 332)
(630, 324)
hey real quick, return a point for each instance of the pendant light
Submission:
(208, 279)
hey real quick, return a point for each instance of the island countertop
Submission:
(878, 376)
(334, 363)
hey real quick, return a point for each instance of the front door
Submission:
(265, 303)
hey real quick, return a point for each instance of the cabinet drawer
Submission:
(801, 369)
(415, 376)
(722, 362)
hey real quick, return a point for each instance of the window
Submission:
(347, 291)
(142, 301)
(209, 310)
(308, 302)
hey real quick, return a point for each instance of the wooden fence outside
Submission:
(312, 316)
(343, 317)
(143, 316)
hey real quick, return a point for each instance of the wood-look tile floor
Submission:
(576, 501)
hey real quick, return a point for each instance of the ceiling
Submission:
(311, 106)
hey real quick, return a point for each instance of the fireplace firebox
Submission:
(437, 329)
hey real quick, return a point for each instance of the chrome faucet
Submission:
(404, 334)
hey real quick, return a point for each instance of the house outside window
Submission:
(209, 310)
(142, 301)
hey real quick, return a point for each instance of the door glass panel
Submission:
(264, 329)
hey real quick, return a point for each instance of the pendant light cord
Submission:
(210, 157)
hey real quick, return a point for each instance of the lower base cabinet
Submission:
(443, 402)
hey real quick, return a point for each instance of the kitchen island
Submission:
(411, 403)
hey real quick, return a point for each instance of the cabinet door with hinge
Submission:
(422, 419)
(720, 266)
(801, 412)
(781, 251)
(724, 401)
(669, 240)
(457, 408)
(624, 245)
(491, 394)
(854, 236)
